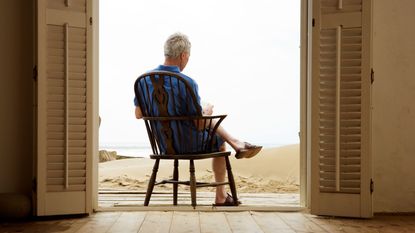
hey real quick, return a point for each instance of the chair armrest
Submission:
(210, 123)
(161, 131)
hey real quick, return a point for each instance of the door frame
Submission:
(305, 111)
(305, 104)
(95, 105)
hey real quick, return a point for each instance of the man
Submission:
(177, 53)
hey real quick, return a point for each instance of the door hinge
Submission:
(90, 21)
(34, 74)
(313, 22)
(372, 186)
(372, 76)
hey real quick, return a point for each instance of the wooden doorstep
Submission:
(116, 200)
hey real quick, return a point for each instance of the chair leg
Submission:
(175, 178)
(152, 182)
(192, 183)
(231, 181)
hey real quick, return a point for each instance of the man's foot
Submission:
(229, 201)
(248, 151)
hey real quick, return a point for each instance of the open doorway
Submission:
(246, 60)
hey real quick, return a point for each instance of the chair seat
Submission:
(192, 156)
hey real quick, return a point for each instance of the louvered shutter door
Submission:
(63, 183)
(341, 64)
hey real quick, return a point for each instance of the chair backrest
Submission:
(173, 115)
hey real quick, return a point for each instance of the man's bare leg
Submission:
(235, 143)
(219, 170)
(232, 141)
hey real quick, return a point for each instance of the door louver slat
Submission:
(75, 102)
(332, 6)
(349, 109)
(73, 5)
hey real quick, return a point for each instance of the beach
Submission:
(273, 170)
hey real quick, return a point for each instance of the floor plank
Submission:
(326, 223)
(389, 224)
(407, 221)
(209, 222)
(128, 222)
(32, 227)
(270, 223)
(71, 225)
(299, 223)
(350, 225)
(213, 222)
(156, 222)
(122, 198)
(185, 222)
(99, 222)
(242, 222)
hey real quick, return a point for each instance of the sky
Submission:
(245, 57)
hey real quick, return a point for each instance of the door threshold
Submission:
(123, 198)
(129, 200)
(203, 208)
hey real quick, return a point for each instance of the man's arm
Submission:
(138, 113)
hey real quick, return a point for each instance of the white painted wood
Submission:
(271, 222)
(340, 108)
(303, 102)
(100, 222)
(242, 222)
(338, 88)
(213, 223)
(159, 222)
(185, 222)
(332, 20)
(63, 112)
(366, 174)
(66, 103)
(128, 222)
(299, 223)
(92, 105)
(71, 202)
(156, 222)
(113, 200)
(309, 126)
(77, 19)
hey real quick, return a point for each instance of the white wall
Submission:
(394, 106)
(16, 96)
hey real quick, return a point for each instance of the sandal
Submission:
(248, 152)
(228, 202)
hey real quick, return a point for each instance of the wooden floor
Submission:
(122, 199)
(212, 222)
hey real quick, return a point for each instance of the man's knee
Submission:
(222, 148)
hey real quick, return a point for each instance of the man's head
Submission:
(177, 50)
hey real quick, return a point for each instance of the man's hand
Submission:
(138, 113)
(207, 110)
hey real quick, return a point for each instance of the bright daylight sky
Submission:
(244, 57)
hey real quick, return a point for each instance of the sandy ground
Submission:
(273, 170)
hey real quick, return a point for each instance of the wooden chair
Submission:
(177, 130)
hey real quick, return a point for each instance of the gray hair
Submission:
(176, 44)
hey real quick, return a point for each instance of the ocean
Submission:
(128, 149)
(144, 149)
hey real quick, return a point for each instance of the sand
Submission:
(273, 170)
